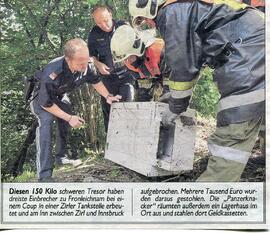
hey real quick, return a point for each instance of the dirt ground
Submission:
(98, 169)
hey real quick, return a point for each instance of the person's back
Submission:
(224, 37)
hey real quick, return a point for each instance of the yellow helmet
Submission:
(128, 41)
(144, 8)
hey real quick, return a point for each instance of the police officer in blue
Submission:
(115, 76)
(59, 77)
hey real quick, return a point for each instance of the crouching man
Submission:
(60, 76)
(143, 54)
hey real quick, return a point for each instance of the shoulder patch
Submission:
(53, 76)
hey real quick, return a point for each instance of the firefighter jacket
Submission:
(152, 63)
(229, 37)
(57, 79)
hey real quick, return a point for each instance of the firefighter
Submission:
(260, 5)
(229, 37)
(115, 76)
(60, 76)
(143, 54)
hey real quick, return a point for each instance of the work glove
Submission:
(178, 105)
(168, 118)
(165, 97)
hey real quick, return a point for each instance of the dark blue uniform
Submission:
(56, 80)
(120, 80)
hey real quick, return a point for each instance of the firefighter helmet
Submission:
(144, 8)
(128, 41)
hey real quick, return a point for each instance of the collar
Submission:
(67, 72)
(66, 69)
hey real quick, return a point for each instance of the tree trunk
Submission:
(86, 103)
(18, 165)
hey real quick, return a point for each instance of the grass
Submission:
(24, 177)
(29, 175)
(115, 173)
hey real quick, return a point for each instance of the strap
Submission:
(168, 2)
(252, 2)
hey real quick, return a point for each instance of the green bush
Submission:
(205, 95)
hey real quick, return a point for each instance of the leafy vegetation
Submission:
(205, 95)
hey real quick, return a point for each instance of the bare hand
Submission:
(111, 99)
(102, 68)
(76, 122)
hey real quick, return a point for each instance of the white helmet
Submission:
(128, 41)
(144, 8)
